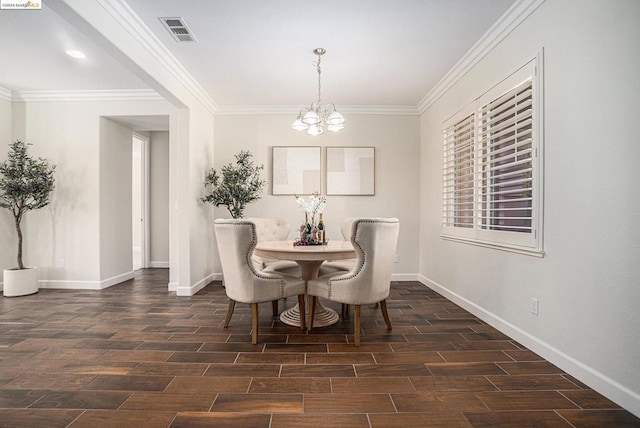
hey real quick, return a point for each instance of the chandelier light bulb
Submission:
(298, 125)
(335, 118)
(313, 118)
(315, 129)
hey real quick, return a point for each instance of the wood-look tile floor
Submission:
(135, 355)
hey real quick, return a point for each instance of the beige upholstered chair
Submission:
(243, 281)
(334, 266)
(273, 229)
(375, 241)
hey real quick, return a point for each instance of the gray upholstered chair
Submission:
(243, 281)
(375, 241)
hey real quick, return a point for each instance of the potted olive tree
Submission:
(25, 184)
(239, 184)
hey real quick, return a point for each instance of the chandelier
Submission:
(313, 118)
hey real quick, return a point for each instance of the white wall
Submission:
(587, 283)
(138, 181)
(159, 199)
(115, 200)
(191, 250)
(396, 141)
(201, 240)
(7, 230)
(68, 134)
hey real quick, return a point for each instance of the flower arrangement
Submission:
(314, 204)
(312, 231)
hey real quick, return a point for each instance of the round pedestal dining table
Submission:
(309, 258)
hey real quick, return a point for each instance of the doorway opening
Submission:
(140, 201)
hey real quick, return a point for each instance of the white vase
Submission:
(20, 282)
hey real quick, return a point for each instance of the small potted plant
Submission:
(26, 184)
(239, 184)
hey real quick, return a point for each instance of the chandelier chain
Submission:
(317, 64)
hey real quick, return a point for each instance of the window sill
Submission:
(534, 252)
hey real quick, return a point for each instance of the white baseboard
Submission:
(85, 285)
(601, 383)
(397, 277)
(158, 264)
(404, 277)
(193, 289)
(173, 286)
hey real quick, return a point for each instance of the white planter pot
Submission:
(20, 282)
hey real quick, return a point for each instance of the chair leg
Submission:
(385, 314)
(232, 305)
(303, 319)
(346, 311)
(312, 311)
(356, 326)
(274, 307)
(254, 323)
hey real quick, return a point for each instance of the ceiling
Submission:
(260, 53)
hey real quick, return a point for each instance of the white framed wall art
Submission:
(350, 170)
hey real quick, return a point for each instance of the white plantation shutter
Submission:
(491, 184)
(459, 173)
(506, 165)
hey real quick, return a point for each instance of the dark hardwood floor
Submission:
(135, 355)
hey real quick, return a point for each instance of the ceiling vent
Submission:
(178, 29)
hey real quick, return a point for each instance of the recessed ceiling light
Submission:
(76, 54)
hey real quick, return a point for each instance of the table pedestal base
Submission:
(323, 316)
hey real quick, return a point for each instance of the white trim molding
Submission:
(608, 387)
(395, 277)
(294, 110)
(193, 289)
(513, 17)
(404, 277)
(131, 23)
(85, 285)
(5, 94)
(82, 95)
(159, 265)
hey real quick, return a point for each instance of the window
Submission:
(491, 171)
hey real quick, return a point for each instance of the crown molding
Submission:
(97, 95)
(513, 17)
(123, 13)
(5, 94)
(294, 110)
